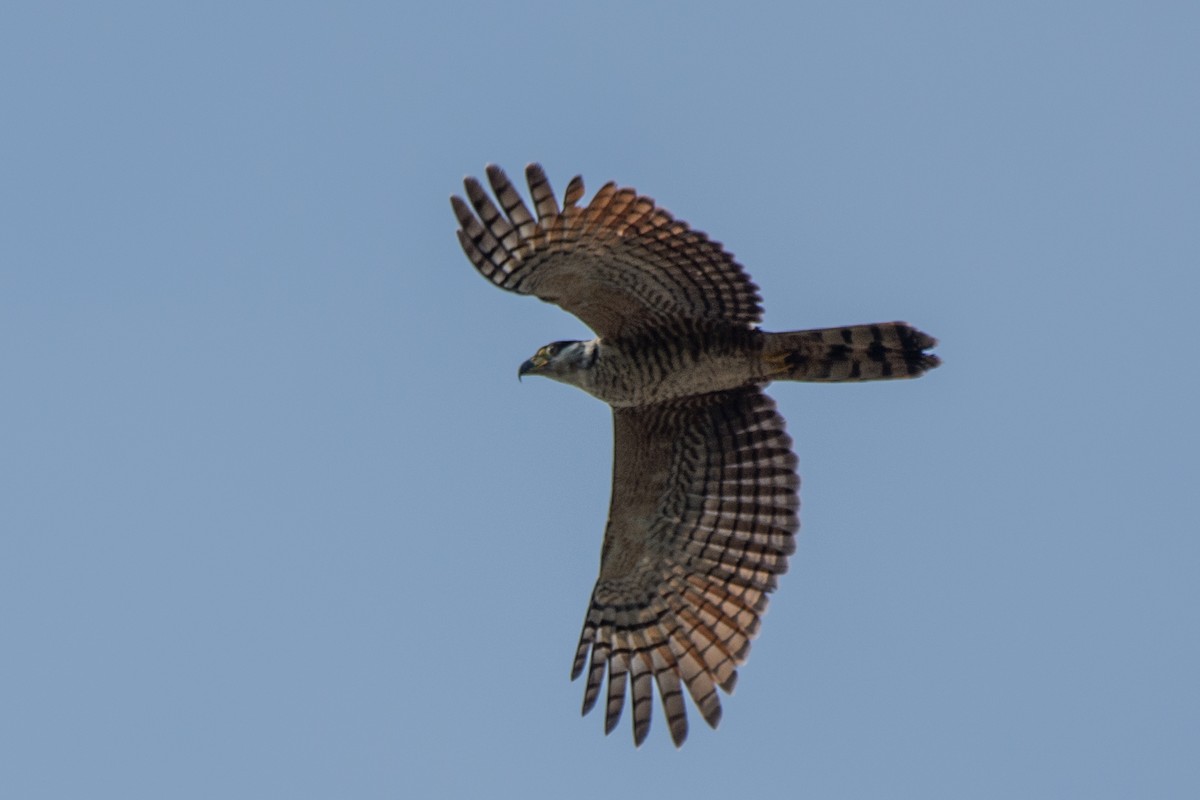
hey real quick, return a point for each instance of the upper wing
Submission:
(702, 521)
(620, 264)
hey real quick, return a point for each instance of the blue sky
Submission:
(277, 520)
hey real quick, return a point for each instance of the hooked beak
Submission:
(532, 365)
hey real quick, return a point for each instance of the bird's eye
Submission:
(551, 349)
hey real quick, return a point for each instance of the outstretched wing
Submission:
(702, 521)
(621, 264)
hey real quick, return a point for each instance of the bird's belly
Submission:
(651, 376)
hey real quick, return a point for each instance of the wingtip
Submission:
(495, 173)
(574, 192)
(580, 657)
(639, 735)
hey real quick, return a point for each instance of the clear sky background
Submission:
(277, 519)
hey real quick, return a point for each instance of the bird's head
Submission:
(562, 361)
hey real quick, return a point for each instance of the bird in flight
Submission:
(704, 491)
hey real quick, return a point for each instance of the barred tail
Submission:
(855, 353)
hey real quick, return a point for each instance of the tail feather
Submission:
(854, 353)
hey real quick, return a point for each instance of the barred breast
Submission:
(665, 365)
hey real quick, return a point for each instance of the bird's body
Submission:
(704, 497)
(671, 364)
(652, 368)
